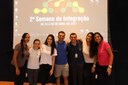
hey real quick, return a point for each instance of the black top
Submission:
(75, 53)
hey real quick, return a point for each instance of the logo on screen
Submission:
(60, 6)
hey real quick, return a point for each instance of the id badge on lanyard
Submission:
(76, 55)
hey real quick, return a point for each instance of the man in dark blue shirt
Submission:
(75, 60)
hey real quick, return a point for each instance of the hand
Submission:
(51, 72)
(109, 70)
(17, 71)
(93, 69)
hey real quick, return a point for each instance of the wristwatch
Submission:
(94, 65)
(110, 66)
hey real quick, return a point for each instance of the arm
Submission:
(109, 69)
(15, 54)
(53, 61)
(53, 65)
(94, 64)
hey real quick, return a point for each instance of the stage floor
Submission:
(12, 83)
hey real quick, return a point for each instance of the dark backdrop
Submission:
(117, 16)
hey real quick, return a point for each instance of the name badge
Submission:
(76, 55)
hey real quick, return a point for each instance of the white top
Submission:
(33, 60)
(87, 58)
(46, 57)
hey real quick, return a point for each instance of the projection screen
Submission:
(42, 17)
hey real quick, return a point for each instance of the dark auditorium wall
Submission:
(6, 36)
(118, 19)
(118, 27)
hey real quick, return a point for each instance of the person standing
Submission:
(89, 76)
(61, 63)
(33, 62)
(47, 60)
(104, 59)
(75, 60)
(20, 57)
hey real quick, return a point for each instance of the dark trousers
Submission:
(103, 78)
(89, 77)
(33, 76)
(20, 79)
(76, 74)
(44, 76)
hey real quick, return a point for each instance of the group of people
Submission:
(77, 61)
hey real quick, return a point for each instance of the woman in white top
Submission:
(89, 60)
(33, 62)
(47, 61)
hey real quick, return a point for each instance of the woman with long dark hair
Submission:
(20, 57)
(104, 59)
(47, 61)
(89, 59)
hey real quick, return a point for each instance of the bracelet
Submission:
(110, 66)
(94, 65)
